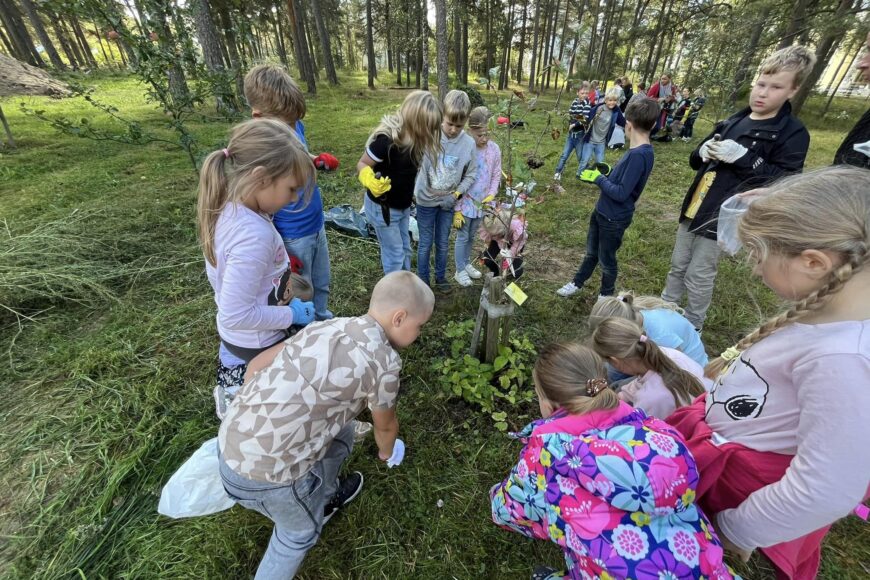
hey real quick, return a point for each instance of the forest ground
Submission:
(106, 387)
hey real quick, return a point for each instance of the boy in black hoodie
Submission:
(752, 147)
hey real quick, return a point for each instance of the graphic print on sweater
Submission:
(740, 390)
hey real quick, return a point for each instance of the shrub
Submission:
(473, 95)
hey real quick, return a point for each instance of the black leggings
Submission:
(248, 354)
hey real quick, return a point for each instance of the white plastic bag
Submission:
(726, 229)
(617, 139)
(196, 488)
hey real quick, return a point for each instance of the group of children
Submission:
(648, 461)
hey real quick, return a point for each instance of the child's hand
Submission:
(303, 312)
(377, 185)
(590, 175)
(488, 199)
(457, 194)
(728, 545)
(458, 220)
(727, 151)
(326, 161)
(704, 150)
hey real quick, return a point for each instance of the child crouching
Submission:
(290, 428)
(505, 237)
(612, 487)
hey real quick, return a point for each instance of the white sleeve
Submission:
(239, 306)
(830, 472)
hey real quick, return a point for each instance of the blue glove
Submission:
(303, 312)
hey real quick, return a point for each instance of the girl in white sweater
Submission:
(780, 441)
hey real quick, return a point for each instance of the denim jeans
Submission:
(465, 242)
(602, 242)
(588, 150)
(296, 508)
(313, 251)
(574, 143)
(395, 239)
(434, 224)
(694, 264)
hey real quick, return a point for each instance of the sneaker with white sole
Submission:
(220, 402)
(557, 176)
(462, 278)
(472, 272)
(568, 289)
(348, 488)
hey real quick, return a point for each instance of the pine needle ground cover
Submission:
(108, 355)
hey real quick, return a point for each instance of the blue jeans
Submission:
(434, 224)
(602, 242)
(464, 242)
(296, 508)
(588, 150)
(574, 143)
(313, 251)
(395, 239)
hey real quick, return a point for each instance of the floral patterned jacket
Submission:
(615, 489)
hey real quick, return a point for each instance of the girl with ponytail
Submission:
(666, 379)
(612, 487)
(778, 439)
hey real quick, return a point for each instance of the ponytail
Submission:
(211, 200)
(623, 339)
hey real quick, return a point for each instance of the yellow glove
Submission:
(458, 220)
(457, 194)
(488, 199)
(377, 185)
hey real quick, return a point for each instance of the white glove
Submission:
(704, 150)
(506, 253)
(398, 454)
(727, 151)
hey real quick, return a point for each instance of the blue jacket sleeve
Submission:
(634, 168)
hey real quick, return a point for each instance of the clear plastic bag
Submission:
(196, 488)
(729, 218)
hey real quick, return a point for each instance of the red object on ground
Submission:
(326, 161)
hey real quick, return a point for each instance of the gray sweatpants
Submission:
(694, 264)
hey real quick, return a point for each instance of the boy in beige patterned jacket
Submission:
(291, 425)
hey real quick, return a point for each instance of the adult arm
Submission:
(830, 472)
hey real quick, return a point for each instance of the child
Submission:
(759, 143)
(290, 428)
(601, 121)
(271, 93)
(468, 211)
(676, 118)
(440, 183)
(697, 104)
(388, 169)
(779, 438)
(611, 486)
(506, 238)
(619, 193)
(262, 169)
(665, 93)
(577, 119)
(661, 321)
(666, 378)
(231, 369)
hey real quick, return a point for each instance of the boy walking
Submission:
(577, 122)
(752, 147)
(619, 193)
(440, 183)
(291, 426)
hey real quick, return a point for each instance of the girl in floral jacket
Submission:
(611, 486)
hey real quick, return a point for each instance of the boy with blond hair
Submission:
(440, 182)
(290, 428)
(749, 149)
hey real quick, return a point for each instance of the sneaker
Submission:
(328, 315)
(472, 272)
(348, 488)
(462, 278)
(441, 286)
(220, 402)
(360, 430)
(557, 176)
(543, 572)
(568, 289)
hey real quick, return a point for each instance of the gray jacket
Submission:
(456, 170)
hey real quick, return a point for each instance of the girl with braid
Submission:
(778, 439)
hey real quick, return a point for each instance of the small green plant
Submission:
(507, 380)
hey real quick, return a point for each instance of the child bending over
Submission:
(291, 426)
(612, 487)
(506, 238)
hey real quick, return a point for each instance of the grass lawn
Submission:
(106, 382)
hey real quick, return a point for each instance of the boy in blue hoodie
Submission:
(619, 193)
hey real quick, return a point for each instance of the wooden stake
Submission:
(8, 131)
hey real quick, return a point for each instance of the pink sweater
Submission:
(803, 391)
(650, 393)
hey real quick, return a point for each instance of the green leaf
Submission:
(501, 426)
(499, 363)
(500, 416)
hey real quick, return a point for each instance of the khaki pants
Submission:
(694, 264)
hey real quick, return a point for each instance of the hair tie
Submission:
(595, 386)
(730, 353)
(226, 153)
(643, 338)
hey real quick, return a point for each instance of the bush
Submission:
(473, 95)
(507, 380)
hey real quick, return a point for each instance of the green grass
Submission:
(107, 390)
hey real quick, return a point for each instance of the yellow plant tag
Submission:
(516, 294)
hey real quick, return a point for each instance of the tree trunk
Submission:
(795, 23)
(325, 45)
(33, 15)
(83, 41)
(504, 74)
(823, 55)
(744, 66)
(522, 49)
(18, 34)
(562, 41)
(398, 63)
(300, 45)
(535, 23)
(575, 48)
(441, 47)
(839, 82)
(231, 46)
(207, 34)
(389, 31)
(552, 44)
(542, 48)
(465, 50)
(370, 45)
(63, 39)
(418, 64)
(601, 69)
(457, 39)
(309, 37)
(177, 81)
(10, 50)
(279, 40)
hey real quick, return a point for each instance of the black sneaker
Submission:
(348, 488)
(543, 572)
